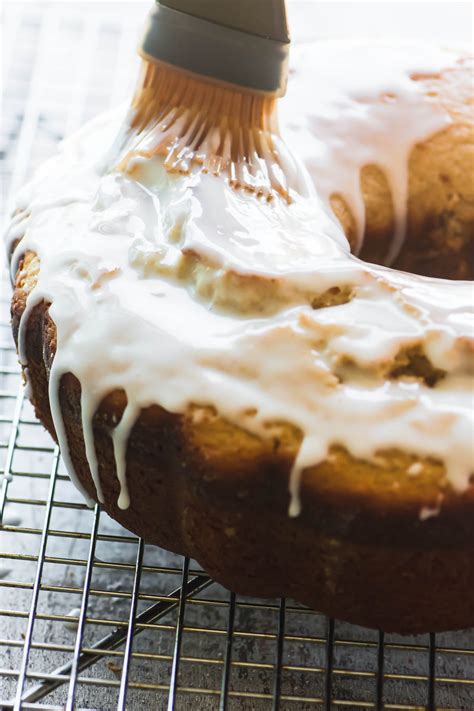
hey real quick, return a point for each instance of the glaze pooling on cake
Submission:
(150, 280)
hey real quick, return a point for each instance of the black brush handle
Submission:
(266, 18)
(250, 50)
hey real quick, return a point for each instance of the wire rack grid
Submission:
(90, 616)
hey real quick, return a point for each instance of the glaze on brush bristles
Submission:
(201, 124)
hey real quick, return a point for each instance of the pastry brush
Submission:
(212, 71)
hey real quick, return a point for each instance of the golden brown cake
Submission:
(232, 384)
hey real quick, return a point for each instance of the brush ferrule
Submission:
(215, 51)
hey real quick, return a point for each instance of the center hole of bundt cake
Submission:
(437, 239)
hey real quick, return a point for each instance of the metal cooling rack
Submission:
(91, 618)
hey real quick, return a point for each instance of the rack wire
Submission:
(90, 616)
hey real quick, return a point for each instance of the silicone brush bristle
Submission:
(206, 99)
(196, 124)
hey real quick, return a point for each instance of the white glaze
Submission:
(359, 105)
(140, 273)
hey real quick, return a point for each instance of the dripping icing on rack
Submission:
(149, 266)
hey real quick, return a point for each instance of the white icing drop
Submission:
(415, 469)
(179, 290)
(120, 437)
(89, 406)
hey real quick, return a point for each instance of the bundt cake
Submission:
(232, 383)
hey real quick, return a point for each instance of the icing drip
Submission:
(88, 410)
(120, 437)
(363, 103)
(179, 290)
